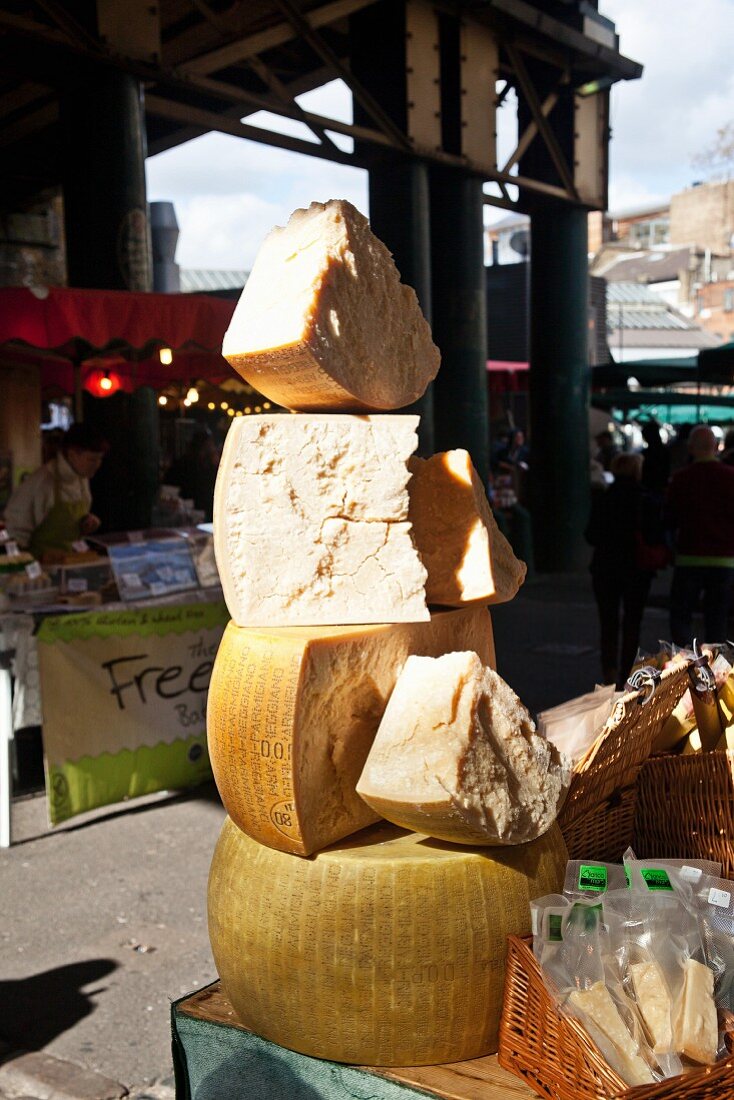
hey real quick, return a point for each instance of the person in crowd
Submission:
(620, 584)
(678, 448)
(606, 449)
(727, 456)
(515, 452)
(195, 473)
(655, 460)
(51, 509)
(699, 508)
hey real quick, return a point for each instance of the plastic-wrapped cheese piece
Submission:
(654, 1003)
(695, 1025)
(457, 757)
(324, 321)
(466, 555)
(311, 521)
(385, 949)
(292, 714)
(597, 1005)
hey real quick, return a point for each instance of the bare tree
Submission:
(718, 157)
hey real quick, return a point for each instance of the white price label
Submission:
(80, 546)
(78, 584)
(722, 898)
(690, 874)
(135, 536)
(33, 570)
(11, 548)
(131, 580)
(535, 921)
(157, 589)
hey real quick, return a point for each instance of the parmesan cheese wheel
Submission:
(311, 521)
(386, 949)
(457, 757)
(292, 713)
(324, 321)
(465, 554)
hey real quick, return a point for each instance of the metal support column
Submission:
(460, 314)
(105, 212)
(398, 183)
(559, 399)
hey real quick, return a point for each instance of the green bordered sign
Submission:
(655, 878)
(592, 878)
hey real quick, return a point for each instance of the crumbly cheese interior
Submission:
(311, 521)
(457, 757)
(466, 555)
(327, 285)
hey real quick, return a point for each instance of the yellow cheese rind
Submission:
(325, 323)
(386, 949)
(695, 1023)
(465, 554)
(292, 713)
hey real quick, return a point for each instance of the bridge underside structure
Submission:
(90, 87)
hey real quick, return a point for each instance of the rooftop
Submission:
(199, 280)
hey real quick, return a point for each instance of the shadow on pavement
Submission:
(34, 1010)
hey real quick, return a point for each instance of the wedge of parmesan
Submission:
(457, 757)
(695, 1024)
(654, 1003)
(311, 521)
(324, 321)
(598, 1008)
(467, 557)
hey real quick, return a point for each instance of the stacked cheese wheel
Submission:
(344, 561)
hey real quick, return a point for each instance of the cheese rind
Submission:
(311, 521)
(598, 1007)
(325, 323)
(457, 757)
(654, 1003)
(695, 1024)
(386, 949)
(292, 714)
(465, 553)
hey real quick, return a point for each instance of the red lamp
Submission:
(102, 383)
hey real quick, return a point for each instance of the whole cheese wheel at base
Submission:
(465, 554)
(386, 949)
(311, 521)
(324, 321)
(292, 713)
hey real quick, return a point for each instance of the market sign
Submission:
(124, 702)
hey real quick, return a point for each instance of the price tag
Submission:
(722, 898)
(77, 584)
(11, 548)
(33, 570)
(135, 536)
(157, 588)
(690, 874)
(131, 580)
(80, 546)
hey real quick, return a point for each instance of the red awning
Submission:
(62, 329)
(506, 365)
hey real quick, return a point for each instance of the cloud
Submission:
(663, 120)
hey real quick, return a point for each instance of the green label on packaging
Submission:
(592, 878)
(628, 876)
(655, 878)
(554, 928)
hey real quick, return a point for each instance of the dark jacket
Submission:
(613, 527)
(699, 506)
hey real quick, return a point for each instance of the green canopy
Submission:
(648, 372)
(671, 408)
(717, 364)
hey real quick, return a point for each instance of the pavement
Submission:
(103, 920)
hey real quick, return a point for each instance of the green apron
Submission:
(60, 528)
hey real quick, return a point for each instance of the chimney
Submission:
(164, 236)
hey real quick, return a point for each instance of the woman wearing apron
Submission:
(50, 510)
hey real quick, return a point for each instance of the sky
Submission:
(229, 192)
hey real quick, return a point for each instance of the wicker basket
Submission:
(597, 819)
(554, 1055)
(685, 807)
